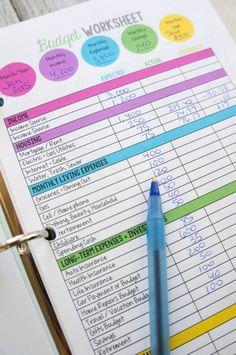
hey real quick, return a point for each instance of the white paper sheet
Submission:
(98, 99)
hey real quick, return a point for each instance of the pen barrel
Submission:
(157, 276)
(155, 225)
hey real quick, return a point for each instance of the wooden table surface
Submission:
(12, 11)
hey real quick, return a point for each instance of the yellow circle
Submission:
(176, 28)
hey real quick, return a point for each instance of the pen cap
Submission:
(154, 202)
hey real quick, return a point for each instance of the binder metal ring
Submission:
(47, 233)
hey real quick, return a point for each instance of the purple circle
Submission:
(17, 79)
(58, 64)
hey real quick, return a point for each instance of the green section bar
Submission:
(139, 230)
(102, 247)
(200, 202)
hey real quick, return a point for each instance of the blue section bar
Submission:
(130, 152)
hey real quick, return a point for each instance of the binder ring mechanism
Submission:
(20, 240)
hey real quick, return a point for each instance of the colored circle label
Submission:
(58, 64)
(17, 79)
(176, 28)
(100, 51)
(139, 39)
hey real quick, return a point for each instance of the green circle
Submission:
(139, 39)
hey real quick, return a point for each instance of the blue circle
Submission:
(100, 51)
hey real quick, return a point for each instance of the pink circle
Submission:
(58, 64)
(17, 79)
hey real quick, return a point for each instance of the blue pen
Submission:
(157, 275)
(1, 101)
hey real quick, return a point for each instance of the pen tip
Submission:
(154, 191)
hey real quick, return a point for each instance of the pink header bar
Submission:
(106, 86)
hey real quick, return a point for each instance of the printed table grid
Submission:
(164, 120)
(112, 84)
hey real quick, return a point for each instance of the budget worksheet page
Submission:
(100, 98)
